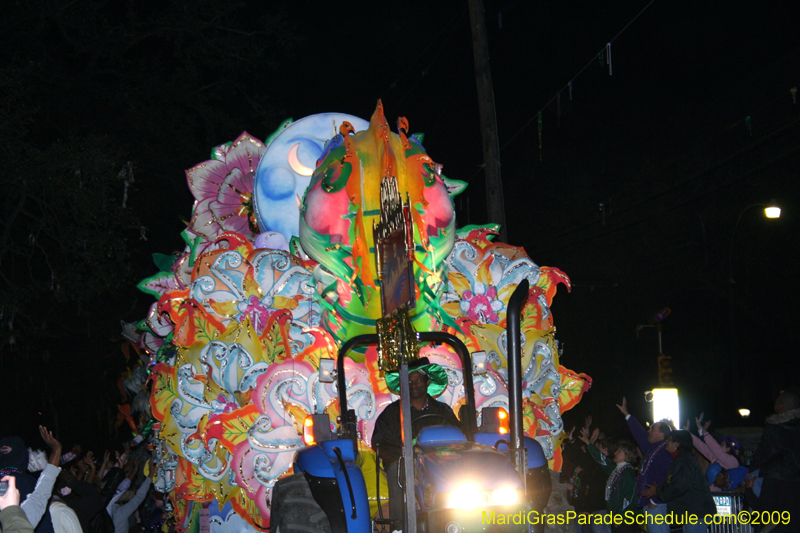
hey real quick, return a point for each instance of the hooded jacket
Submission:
(14, 462)
(778, 453)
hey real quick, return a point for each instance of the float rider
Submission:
(426, 380)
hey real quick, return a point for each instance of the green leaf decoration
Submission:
(454, 187)
(285, 124)
(164, 262)
(158, 284)
(462, 233)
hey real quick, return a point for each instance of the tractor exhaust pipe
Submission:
(513, 315)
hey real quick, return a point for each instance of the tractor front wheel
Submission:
(294, 509)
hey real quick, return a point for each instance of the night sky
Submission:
(635, 192)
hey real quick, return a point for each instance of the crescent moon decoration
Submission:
(295, 163)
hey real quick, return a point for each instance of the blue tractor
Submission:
(464, 479)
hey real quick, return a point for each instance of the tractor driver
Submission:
(426, 380)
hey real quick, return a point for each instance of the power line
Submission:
(567, 85)
(680, 204)
(427, 68)
(697, 150)
(694, 176)
(422, 53)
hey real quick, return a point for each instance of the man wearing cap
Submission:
(425, 381)
(654, 466)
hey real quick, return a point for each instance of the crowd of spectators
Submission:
(73, 492)
(677, 471)
(656, 470)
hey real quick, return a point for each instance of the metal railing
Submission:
(730, 504)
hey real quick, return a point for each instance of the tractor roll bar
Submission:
(348, 425)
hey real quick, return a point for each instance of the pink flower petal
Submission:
(205, 179)
(245, 153)
(203, 221)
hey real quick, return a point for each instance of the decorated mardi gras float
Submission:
(279, 271)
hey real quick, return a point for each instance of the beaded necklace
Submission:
(646, 466)
(651, 457)
(614, 479)
(575, 480)
(11, 472)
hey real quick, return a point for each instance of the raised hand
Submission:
(106, 462)
(571, 434)
(53, 444)
(48, 438)
(686, 425)
(88, 459)
(623, 407)
(584, 435)
(699, 421)
(588, 421)
(84, 468)
(595, 435)
(132, 468)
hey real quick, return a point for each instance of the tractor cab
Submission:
(462, 477)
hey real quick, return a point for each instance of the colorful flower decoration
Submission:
(223, 189)
(481, 304)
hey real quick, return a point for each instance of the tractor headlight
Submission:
(469, 496)
(466, 496)
(505, 496)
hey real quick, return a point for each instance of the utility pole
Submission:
(491, 147)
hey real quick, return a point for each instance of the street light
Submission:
(771, 211)
(666, 405)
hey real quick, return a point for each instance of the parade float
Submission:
(279, 270)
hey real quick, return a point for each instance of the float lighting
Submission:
(479, 363)
(326, 370)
